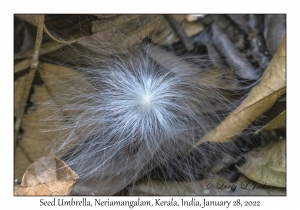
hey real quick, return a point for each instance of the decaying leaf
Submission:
(41, 121)
(277, 122)
(63, 82)
(259, 100)
(118, 33)
(192, 28)
(47, 176)
(107, 23)
(38, 135)
(45, 48)
(21, 162)
(210, 186)
(122, 37)
(19, 91)
(267, 165)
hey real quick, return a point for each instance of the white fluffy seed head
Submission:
(138, 115)
(126, 114)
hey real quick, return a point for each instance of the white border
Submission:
(152, 6)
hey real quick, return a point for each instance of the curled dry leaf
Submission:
(259, 100)
(267, 165)
(210, 186)
(47, 176)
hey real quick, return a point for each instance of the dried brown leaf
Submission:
(45, 48)
(119, 38)
(53, 188)
(277, 122)
(117, 34)
(267, 165)
(47, 176)
(193, 28)
(113, 21)
(34, 140)
(63, 82)
(38, 135)
(18, 92)
(259, 100)
(21, 162)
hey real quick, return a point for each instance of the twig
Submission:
(33, 66)
(234, 58)
(180, 32)
(59, 39)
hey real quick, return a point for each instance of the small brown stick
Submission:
(180, 32)
(33, 66)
